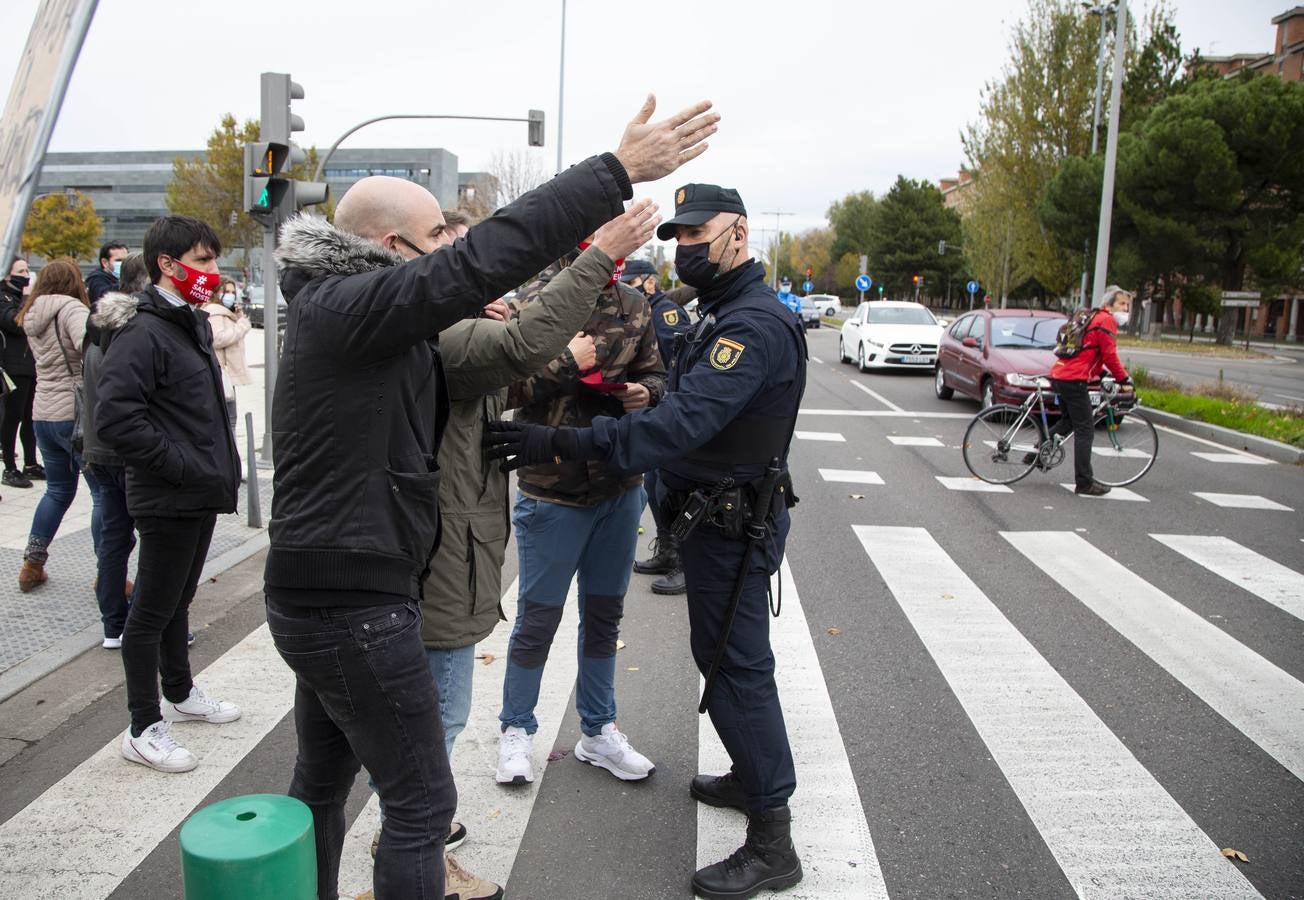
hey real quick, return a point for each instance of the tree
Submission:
(850, 218)
(904, 231)
(211, 187)
(810, 249)
(62, 225)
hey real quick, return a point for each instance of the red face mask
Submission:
(620, 263)
(196, 287)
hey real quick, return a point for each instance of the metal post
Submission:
(271, 314)
(778, 244)
(1095, 125)
(251, 475)
(1294, 320)
(561, 83)
(1111, 158)
(1005, 275)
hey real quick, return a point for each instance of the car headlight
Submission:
(1023, 381)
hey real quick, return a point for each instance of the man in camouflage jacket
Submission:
(578, 518)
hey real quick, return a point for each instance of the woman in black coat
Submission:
(19, 365)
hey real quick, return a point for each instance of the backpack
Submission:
(1069, 338)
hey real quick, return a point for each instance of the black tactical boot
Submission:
(664, 559)
(719, 790)
(766, 861)
(672, 582)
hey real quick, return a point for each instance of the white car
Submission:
(827, 304)
(890, 334)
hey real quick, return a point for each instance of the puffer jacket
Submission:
(52, 320)
(460, 602)
(16, 357)
(229, 332)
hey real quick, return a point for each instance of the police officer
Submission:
(670, 321)
(720, 436)
(787, 297)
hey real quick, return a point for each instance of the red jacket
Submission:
(1099, 352)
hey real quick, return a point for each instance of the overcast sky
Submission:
(819, 97)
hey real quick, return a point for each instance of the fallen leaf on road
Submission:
(487, 657)
(857, 496)
(632, 669)
(495, 814)
(620, 645)
(948, 596)
(1230, 853)
(557, 754)
(835, 631)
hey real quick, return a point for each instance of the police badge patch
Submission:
(679, 198)
(671, 317)
(726, 353)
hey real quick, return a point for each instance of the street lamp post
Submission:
(561, 83)
(778, 244)
(1111, 158)
(1102, 10)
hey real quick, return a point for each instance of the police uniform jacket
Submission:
(669, 321)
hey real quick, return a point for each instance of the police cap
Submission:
(699, 203)
(637, 268)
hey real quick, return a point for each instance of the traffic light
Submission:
(880, 291)
(269, 189)
(535, 135)
(915, 279)
(810, 272)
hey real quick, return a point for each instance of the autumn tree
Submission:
(64, 224)
(850, 218)
(903, 233)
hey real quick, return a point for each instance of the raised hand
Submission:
(584, 350)
(627, 232)
(652, 151)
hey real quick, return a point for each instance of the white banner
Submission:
(30, 112)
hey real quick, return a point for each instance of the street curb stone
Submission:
(1274, 450)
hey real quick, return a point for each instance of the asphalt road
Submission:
(1015, 694)
(1279, 380)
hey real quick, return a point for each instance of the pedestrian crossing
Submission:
(1112, 826)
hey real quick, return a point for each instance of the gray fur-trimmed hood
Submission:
(316, 247)
(113, 311)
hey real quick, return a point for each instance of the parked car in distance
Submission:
(995, 355)
(253, 307)
(827, 304)
(896, 334)
(810, 313)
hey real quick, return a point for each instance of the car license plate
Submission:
(916, 359)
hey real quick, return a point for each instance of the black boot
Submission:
(664, 558)
(725, 791)
(766, 861)
(671, 583)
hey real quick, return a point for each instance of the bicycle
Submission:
(1005, 442)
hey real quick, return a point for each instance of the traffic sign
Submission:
(864, 283)
(808, 286)
(972, 287)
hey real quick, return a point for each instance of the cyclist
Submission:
(1071, 376)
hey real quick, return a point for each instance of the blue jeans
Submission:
(453, 670)
(553, 543)
(61, 467)
(364, 696)
(117, 540)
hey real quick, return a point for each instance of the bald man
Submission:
(357, 416)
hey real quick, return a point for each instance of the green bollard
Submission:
(258, 847)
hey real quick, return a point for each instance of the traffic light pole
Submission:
(271, 328)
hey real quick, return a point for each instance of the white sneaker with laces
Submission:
(514, 765)
(157, 749)
(112, 643)
(199, 707)
(610, 750)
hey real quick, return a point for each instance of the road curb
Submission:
(1266, 447)
(61, 652)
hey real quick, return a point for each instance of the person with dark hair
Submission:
(105, 278)
(21, 368)
(113, 589)
(54, 318)
(159, 407)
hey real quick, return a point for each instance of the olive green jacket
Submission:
(460, 603)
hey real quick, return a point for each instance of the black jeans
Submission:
(1075, 401)
(172, 553)
(18, 419)
(117, 540)
(364, 696)
(650, 482)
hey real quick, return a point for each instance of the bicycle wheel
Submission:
(1001, 444)
(1125, 450)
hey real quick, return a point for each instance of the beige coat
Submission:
(229, 332)
(54, 384)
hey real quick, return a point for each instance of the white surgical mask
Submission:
(1121, 318)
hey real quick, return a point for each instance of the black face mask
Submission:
(692, 262)
(19, 281)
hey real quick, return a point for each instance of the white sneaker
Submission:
(157, 749)
(112, 643)
(199, 707)
(514, 749)
(611, 751)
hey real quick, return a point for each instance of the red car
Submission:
(994, 355)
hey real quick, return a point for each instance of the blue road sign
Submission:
(972, 287)
(864, 283)
(808, 286)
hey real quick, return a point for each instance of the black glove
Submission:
(525, 444)
(1125, 382)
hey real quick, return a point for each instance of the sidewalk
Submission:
(42, 630)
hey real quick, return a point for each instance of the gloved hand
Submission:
(525, 444)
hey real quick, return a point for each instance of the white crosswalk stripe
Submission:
(1241, 501)
(832, 436)
(1254, 695)
(1236, 458)
(1111, 826)
(1118, 493)
(907, 440)
(969, 483)
(851, 476)
(1243, 567)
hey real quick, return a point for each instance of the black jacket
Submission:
(99, 283)
(359, 405)
(159, 406)
(16, 358)
(93, 449)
